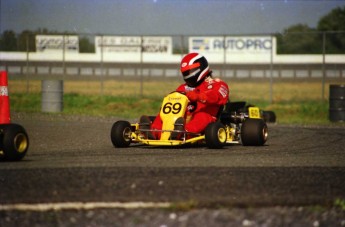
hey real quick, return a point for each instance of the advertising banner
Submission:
(56, 43)
(234, 44)
(133, 44)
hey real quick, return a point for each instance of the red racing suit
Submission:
(205, 101)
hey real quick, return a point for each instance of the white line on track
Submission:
(80, 206)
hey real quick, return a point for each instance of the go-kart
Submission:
(231, 127)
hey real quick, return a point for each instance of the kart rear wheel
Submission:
(254, 132)
(14, 142)
(215, 135)
(121, 134)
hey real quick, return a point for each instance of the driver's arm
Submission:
(217, 95)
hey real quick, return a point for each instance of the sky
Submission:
(162, 17)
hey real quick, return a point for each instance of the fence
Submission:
(269, 58)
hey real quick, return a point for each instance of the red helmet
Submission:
(194, 68)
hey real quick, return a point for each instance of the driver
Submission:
(206, 96)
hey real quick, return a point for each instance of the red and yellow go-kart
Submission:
(232, 127)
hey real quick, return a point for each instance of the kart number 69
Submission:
(172, 108)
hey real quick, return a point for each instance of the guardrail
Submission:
(88, 70)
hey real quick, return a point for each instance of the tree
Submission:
(334, 25)
(334, 21)
(299, 39)
(26, 41)
(85, 46)
(8, 41)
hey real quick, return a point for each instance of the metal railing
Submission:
(315, 58)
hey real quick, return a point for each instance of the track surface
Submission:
(71, 159)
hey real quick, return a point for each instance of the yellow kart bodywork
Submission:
(173, 107)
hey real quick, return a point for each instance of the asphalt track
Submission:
(72, 169)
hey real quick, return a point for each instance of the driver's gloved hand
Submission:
(192, 96)
(195, 96)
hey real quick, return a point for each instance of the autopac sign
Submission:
(235, 44)
(133, 44)
(53, 43)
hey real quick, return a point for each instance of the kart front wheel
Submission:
(215, 135)
(14, 142)
(254, 132)
(121, 134)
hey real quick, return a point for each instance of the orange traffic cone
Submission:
(4, 99)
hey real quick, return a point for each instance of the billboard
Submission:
(232, 44)
(133, 44)
(56, 43)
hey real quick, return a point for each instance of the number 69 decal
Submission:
(172, 108)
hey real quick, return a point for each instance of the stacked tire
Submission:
(337, 103)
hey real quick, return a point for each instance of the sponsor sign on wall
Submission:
(54, 43)
(133, 44)
(235, 44)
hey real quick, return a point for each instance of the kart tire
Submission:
(121, 134)
(14, 142)
(215, 135)
(269, 116)
(254, 132)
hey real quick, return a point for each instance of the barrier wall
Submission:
(171, 58)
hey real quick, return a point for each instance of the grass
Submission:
(340, 203)
(293, 103)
